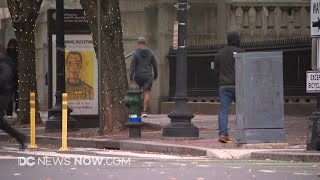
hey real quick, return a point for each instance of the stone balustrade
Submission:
(4, 13)
(269, 19)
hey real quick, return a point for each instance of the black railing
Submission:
(203, 83)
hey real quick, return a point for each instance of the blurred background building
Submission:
(277, 25)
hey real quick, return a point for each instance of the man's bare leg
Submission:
(146, 100)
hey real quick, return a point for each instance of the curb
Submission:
(133, 145)
(81, 142)
(151, 146)
(302, 156)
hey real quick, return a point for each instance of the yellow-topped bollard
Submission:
(33, 144)
(64, 136)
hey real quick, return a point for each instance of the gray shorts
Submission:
(144, 83)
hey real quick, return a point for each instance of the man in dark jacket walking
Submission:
(12, 53)
(6, 89)
(225, 68)
(142, 63)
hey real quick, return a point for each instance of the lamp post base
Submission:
(54, 123)
(180, 125)
(313, 142)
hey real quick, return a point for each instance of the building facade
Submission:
(208, 24)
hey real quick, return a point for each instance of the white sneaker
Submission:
(144, 114)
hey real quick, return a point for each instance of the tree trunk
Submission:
(24, 14)
(114, 75)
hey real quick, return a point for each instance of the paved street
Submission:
(141, 166)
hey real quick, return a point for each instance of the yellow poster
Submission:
(79, 75)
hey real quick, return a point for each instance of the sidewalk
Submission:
(207, 144)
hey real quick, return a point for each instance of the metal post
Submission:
(53, 124)
(64, 133)
(313, 141)
(318, 102)
(33, 144)
(101, 124)
(181, 125)
(314, 66)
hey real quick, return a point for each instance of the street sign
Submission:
(315, 18)
(175, 34)
(313, 82)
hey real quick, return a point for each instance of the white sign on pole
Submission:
(175, 34)
(315, 18)
(313, 82)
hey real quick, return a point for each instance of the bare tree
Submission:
(114, 75)
(23, 15)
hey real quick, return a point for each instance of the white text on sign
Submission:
(313, 82)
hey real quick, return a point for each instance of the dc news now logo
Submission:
(65, 161)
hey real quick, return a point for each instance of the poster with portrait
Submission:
(81, 75)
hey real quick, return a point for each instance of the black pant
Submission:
(4, 125)
(9, 109)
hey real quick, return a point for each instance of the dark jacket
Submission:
(6, 76)
(13, 54)
(142, 63)
(224, 61)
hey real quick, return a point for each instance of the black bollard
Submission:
(313, 142)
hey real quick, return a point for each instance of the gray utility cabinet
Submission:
(259, 98)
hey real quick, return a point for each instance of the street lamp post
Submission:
(313, 138)
(54, 122)
(181, 125)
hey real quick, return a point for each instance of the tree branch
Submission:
(38, 4)
(14, 8)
